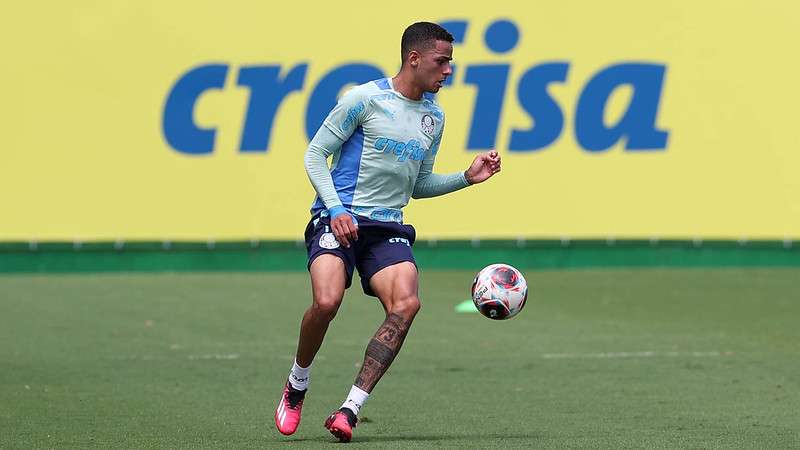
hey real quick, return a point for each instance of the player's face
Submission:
(434, 66)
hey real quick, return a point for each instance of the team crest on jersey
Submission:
(328, 240)
(428, 124)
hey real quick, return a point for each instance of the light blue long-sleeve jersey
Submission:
(383, 146)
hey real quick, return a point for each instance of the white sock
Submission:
(299, 377)
(355, 399)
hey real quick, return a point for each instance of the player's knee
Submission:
(326, 306)
(406, 306)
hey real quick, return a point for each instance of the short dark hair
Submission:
(421, 36)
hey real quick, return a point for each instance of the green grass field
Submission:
(598, 359)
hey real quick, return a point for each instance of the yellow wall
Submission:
(85, 82)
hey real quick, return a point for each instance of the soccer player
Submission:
(384, 136)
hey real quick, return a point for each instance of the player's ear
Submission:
(413, 58)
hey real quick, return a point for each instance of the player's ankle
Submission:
(352, 418)
(299, 377)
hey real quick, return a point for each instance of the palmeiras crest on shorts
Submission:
(328, 240)
(427, 124)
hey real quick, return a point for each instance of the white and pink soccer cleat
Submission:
(341, 424)
(287, 416)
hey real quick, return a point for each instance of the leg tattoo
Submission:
(382, 349)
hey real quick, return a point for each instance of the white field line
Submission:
(214, 356)
(645, 354)
(227, 356)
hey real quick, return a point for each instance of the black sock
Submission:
(295, 396)
(351, 416)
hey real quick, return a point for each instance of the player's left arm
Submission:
(430, 184)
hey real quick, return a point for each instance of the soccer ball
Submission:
(499, 291)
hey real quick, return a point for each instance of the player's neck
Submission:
(404, 85)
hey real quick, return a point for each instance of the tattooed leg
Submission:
(382, 350)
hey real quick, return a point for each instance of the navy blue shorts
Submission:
(379, 245)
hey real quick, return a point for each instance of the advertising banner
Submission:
(189, 120)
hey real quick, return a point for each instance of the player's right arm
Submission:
(340, 124)
(322, 146)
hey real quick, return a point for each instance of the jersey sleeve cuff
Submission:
(337, 211)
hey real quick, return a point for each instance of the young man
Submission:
(384, 136)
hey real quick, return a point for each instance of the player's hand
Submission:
(483, 167)
(344, 228)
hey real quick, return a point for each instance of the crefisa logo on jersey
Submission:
(270, 84)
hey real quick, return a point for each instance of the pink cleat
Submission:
(287, 416)
(341, 424)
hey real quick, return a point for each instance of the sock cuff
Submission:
(301, 367)
(357, 390)
(299, 376)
